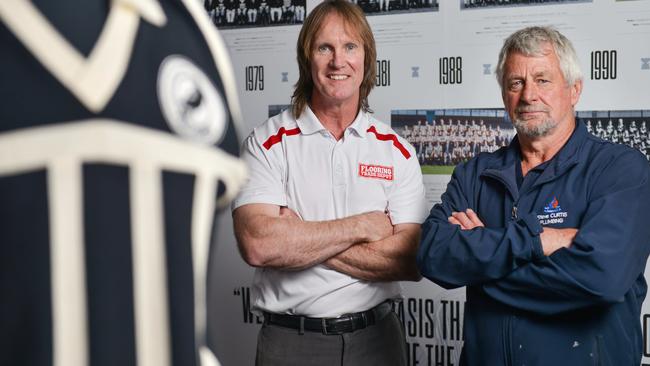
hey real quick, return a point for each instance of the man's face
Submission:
(337, 63)
(535, 93)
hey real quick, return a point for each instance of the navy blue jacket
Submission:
(579, 306)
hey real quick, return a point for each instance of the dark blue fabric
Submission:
(25, 317)
(109, 263)
(30, 97)
(579, 306)
(178, 190)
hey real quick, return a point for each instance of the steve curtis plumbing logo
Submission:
(553, 213)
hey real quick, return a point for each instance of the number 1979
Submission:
(254, 78)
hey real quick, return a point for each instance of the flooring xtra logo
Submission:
(553, 213)
(376, 171)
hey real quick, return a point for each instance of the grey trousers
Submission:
(381, 344)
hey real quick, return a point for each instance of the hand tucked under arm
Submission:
(269, 236)
(389, 259)
(554, 239)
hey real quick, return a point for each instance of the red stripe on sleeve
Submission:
(274, 139)
(390, 137)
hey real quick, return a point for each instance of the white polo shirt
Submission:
(299, 164)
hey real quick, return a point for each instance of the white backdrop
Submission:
(613, 43)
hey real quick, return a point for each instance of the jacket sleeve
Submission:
(607, 256)
(452, 257)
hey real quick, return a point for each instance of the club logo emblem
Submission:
(190, 103)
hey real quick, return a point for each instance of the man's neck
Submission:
(537, 150)
(336, 118)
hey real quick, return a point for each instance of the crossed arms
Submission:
(545, 270)
(551, 239)
(366, 246)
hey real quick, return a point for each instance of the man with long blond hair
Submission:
(332, 212)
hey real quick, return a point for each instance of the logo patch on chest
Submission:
(376, 171)
(553, 213)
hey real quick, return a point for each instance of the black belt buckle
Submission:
(338, 326)
(326, 322)
(324, 326)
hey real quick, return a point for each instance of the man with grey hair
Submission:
(548, 233)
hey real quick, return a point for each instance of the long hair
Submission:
(531, 41)
(354, 18)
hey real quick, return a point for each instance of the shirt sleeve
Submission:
(452, 257)
(266, 172)
(607, 256)
(406, 201)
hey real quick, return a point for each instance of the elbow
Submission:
(252, 258)
(610, 295)
(615, 285)
(414, 273)
(406, 275)
(409, 270)
(601, 293)
(416, 277)
(411, 274)
(252, 251)
(252, 241)
(436, 273)
(425, 268)
(443, 281)
(608, 286)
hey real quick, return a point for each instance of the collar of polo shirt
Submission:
(309, 123)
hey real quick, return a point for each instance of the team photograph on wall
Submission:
(385, 7)
(445, 138)
(482, 4)
(622, 127)
(255, 13)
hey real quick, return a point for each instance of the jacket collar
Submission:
(503, 166)
(567, 157)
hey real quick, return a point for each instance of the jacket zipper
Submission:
(508, 357)
(512, 190)
(507, 335)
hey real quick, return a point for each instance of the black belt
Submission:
(345, 323)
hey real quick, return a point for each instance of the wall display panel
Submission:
(436, 69)
(407, 40)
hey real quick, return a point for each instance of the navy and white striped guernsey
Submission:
(117, 143)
